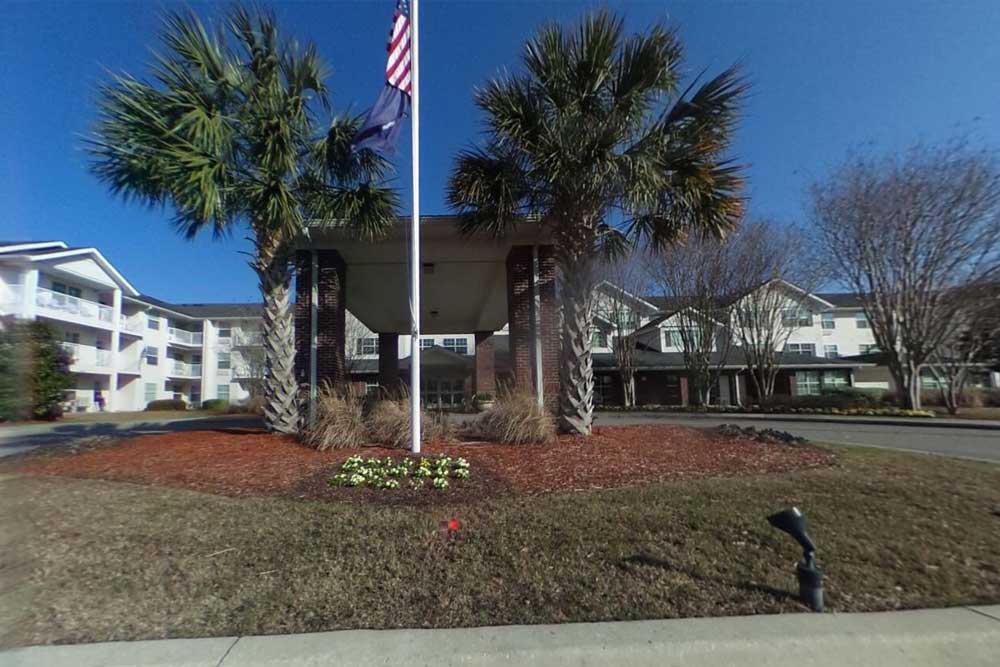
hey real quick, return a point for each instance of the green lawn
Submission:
(97, 561)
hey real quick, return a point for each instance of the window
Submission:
(834, 379)
(225, 331)
(796, 317)
(827, 321)
(603, 389)
(861, 321)
(456, 345)
(62, 288)
(807, 383)
(222, 392)
(153, 322)
(598, 339)
(801, 348)
(72, 337)
(426, 343)
(224, 361)
(152, 355)
(830, 351)
(868, 349)
(371, 388)
(367, 345)
(150, 391)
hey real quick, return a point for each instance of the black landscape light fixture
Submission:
(810, 577)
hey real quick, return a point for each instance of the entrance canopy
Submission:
(463, 282)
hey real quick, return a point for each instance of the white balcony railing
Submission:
(247, 338)
(64, 306)
(133, 366)
(131, 324)
(87, 357)
(183, 369)
(184, 337)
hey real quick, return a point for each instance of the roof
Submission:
(652, 360)
(842, 299)
(206, 310)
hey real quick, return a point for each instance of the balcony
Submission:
(88, 359)
(72, 308)
(183, 369)
(248, 339)
(184, 337)
(131, 325)
(130, 367)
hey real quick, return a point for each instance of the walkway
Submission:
(957, 636)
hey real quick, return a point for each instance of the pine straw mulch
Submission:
(247, 462)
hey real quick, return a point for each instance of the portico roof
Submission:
(463, 278)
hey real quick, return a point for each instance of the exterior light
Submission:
(810, 577)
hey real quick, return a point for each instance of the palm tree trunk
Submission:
(281, 408)
(576, 370)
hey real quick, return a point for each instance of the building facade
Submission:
(128, 348)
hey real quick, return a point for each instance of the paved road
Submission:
(20, 438)
(924, 638)
(969, 443)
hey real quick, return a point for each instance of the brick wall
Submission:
(388, 361)
(484, 372)
(331, 316)
(521, 317)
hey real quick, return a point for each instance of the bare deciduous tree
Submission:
(623, 280)
(974, 330)
(774, 271)
(698, 277)
(905, 231)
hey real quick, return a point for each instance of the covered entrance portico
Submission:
(469, 284)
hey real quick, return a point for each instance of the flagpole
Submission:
(415, 234)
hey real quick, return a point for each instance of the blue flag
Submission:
(381, 126)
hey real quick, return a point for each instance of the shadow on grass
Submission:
(647, 560)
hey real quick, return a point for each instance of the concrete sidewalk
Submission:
(957, 636)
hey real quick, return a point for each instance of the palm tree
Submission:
(596, 138)
(226, 133)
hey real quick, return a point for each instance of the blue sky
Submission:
(828, 78)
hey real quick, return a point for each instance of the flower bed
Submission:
(390, 473)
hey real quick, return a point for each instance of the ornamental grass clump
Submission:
(389, 424)
(339, 421)
(409, 472)
(516, 419)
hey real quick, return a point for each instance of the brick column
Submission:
(549, 321)
(484, 377)
(519, 314)
(521, 320)
(388, 362)
(301, 312)
(331, 316)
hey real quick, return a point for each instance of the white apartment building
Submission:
(128, 348)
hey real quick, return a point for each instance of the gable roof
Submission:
(842, 299)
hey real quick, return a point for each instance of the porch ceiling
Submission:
(463, 282)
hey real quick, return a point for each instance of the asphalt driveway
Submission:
(969, 442)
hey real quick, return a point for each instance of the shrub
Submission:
(166, 404)
(34, 371)
(970, 398)
(389, 473)
(251, 406)
(215, 405)
(340, 420)
(389, 423)
(516, 419)
(991, 397)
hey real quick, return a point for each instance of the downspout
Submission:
(313, 332)
(536, 325)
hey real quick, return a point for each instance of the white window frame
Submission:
(808, 383)
(865, 348)
(152, 355)
(796, 317)
(220, 389)
(425, 344)
(801, 348)
(152, 322)
(150, 392)
(224, 361)
(828, 321)
(367, 345)
(861, 321)
(827, 349)
(456, 345)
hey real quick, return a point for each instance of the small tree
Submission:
(34, 371)
(905, 232)
(973, 332)
(617, 305)
(698, 278)
(773, 271)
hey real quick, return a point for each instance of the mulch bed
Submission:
(250, 463)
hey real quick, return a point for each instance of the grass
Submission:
(969, 413)
(137, 415)
(101, 561)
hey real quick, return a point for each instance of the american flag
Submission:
(397, 68)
